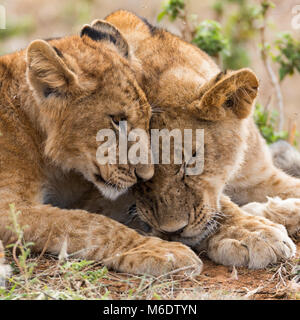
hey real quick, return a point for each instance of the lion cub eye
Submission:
(229, 103)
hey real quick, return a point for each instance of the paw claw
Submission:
(239, 245)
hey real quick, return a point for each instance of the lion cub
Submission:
(54, 98)
(192, 92)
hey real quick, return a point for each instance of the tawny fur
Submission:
(54, 98)
(191, 92)
(286, 157)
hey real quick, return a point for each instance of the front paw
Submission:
(157, 257)
(250, 241)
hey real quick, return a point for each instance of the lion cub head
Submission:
(182, 206)
(80, 86)
(188, 91)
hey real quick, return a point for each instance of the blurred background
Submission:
(237, 33)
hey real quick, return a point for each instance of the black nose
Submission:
(173, 233)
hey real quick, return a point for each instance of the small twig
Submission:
(46, 244)
(162, 276)
(252, 292)
(271, 74)
(279, 274)
(14, 252)
(292, 132)
(187, 32)
(234, 274)
(267, 105)
(48, 295)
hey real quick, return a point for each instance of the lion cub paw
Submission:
(250, 241)
(286, 212)
(157, 257)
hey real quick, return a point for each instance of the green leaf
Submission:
(161, 16)
(209, 38)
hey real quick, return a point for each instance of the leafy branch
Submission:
(226, 40)
(265, 6)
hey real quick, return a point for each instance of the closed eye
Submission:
(188, 162)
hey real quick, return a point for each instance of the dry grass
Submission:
(81, 280)
(47, 277)
(54, 279)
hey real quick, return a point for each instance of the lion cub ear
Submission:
(101, 30)
(228, 94)
(47, 73)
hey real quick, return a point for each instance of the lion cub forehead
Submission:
(180, 85)
(75, 51)
(185, 74)
(91, 64)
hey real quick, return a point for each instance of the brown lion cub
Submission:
(54, 98)
(193, 93)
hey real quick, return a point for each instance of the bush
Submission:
(226, 40)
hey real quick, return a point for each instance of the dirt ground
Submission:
(52, 280)
(220, 282)
(270, 283)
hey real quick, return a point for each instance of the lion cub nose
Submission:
(173, 230)
(145, 172)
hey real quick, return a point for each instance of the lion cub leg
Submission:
(96, 237)
(286, 212)
(247, 240)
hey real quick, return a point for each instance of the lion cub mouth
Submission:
(99, 178)
(210, 228)
(108, 189)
